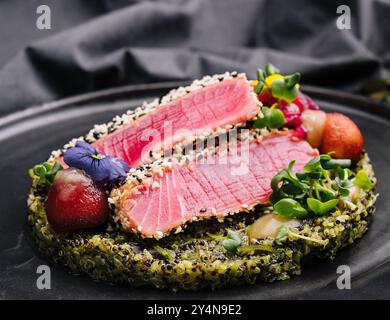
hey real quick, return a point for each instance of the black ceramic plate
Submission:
(27, 138)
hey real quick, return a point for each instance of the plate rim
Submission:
(332, 95)
(351, 100)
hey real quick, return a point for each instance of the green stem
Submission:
(215, 236)
(317, 191)
(328, 179)
(258, 247)
(322, 242)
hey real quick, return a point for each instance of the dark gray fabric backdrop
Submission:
(103, 43)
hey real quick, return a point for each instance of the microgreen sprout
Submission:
(45, 172)
(362, 181)
(273, 118)
(316, 191)
(284, 232)
(230, 242)
(280, 87)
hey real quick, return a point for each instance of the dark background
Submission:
(104, 43)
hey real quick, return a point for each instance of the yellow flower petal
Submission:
(268, 81)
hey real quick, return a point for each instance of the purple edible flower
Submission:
(97, 165)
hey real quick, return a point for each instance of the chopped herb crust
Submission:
(197, 258)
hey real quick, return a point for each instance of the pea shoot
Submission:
(232, 241)
(280, 87)
(362, 181)
(272, 118)
(316, 191)
(286, 88)
(45, 172)
(285, 232)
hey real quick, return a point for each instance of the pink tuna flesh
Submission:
(225, 103)
(200, 190)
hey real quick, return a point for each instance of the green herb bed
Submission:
(196, 258)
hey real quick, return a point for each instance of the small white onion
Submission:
(314, 123)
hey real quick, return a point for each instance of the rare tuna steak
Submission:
(161, 197)
(205, 106)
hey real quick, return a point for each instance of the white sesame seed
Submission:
(178, 230)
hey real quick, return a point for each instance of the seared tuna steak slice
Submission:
(162, 197)
(202, 108)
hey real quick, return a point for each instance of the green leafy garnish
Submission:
(280, 89)
(260, 78)
(282, 234)
(290, 208)
(259, 87)
(272, 118)
(321, 208)
(336, 163)
(45, 172)
(342, 186)
(271, 69)
(314, 192)
(292, 79)
(362, 181)
(232, 241)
